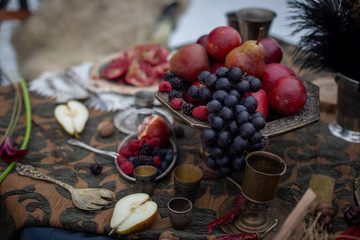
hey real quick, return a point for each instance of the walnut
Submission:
(106, 128)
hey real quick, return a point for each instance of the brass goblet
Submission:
(263, 171)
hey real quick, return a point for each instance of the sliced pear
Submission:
(133, 213)
(72, 117)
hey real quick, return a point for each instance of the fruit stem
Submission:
(260, 35)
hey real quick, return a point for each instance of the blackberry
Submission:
(146, 160)
(156, 151)
(168, 76)
(145, 149)
(96, 168)
(174, 94)
(176, 83)
(137, 161)
(187, 108)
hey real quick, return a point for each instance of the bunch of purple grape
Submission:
(235, 123)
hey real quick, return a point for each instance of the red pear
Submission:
(249, 57)
(189, 61)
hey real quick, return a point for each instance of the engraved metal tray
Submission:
(309, 115)
(277, 209)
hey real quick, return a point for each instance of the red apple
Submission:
(273, 51)
(263, 101)
(155, 126)
(221, 41)
(202, 40)
(189, 61)
(272, 72)
(288, 95)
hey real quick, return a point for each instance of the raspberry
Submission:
(187, 108)
(134, 144)
(173, 94)
(127, 167)
(125, 151)
(201, 113)
(155, 142)
(176, 103)
(165, 87)
(157, 161)
(96, 168)
(120, 160)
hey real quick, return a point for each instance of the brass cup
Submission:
(145, 179)
(251, 19)
(263, 171)
(187, 179)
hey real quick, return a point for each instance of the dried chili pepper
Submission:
(240, 204)
(240, 236)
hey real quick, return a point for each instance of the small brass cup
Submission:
(145, 179)
(187, 179)
(263, 171)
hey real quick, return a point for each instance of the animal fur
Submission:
(65, 33)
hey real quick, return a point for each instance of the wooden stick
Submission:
(296, 216)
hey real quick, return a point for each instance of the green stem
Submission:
(28, 127)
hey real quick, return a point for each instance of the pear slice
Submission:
(72, 117)
(133, 213)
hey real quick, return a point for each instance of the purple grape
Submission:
(256, 138)
(214, 106)
(255, 84)
(255, 147)
(259, 122)
(238, 162)
(223, 161)
(225, 171)
(257, 114)
(250, 103)
(230, 101)
(208, 136)
(224, 139)
(216, 123)
(235, 93)
(203, 75)
(239, 108)
(240, 144)
(194, 92)
(234, 74)
(242, 86)
(223, 84)
(226, 114)
(206, 94)
(210, 80)
(247, 130)
(210, 162)
(242, 117)
(233, 128)
(214, 150)
(220, 95)
(221, 72)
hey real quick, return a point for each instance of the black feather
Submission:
(331, 39)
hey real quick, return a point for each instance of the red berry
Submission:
(165, 86)
(201, 113)
(157, 161)
(125, 151)
(134, 144)
(127, 167)
(121, 159)
(176, 103)
(155, 142)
